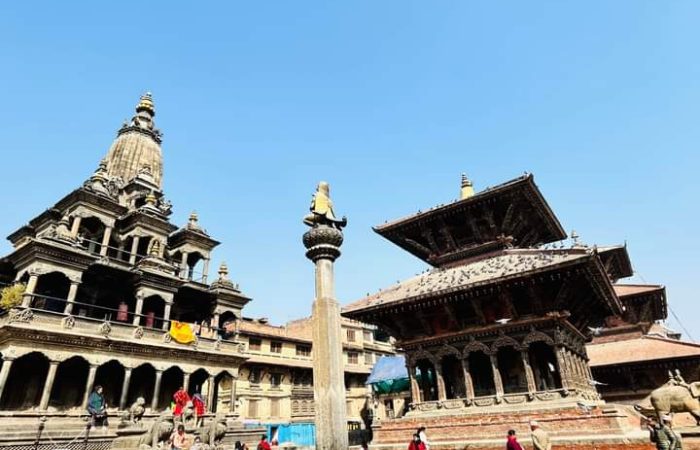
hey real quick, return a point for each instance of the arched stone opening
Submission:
(481, 373)
(453, 376)
(511, 369)
(25, 382)
(223, 384)
(195, 266)
(227, 324)
(143, 379)
(91, 231)
(142, 249)
(199, 382)
(110, 376)
(173, 379)
(69, 386)
(153, 311)
(106, 294)
(427, 380)
(543, 361)
(51, 292)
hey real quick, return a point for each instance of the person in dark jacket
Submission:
(97, 407)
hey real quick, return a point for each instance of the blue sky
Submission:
(389, 101)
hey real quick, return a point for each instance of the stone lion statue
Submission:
(215, 431)
(159, 432)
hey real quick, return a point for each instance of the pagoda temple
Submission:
(495, 333)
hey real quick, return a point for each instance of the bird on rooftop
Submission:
(595, 331)
(503, 321)
(593, 382)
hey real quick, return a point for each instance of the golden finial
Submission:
(467, 188)
(151, 198)
(146, 104)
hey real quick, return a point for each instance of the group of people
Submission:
(540, 439)
(182, 400)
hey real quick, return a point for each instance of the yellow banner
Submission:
(182, 332)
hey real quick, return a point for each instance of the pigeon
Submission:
(503, 321)
(593, 382)
(584, 407)
(595, 331)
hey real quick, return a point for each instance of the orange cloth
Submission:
(181, 332)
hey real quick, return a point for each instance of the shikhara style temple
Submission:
(496, 332)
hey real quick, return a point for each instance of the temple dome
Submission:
(137, 146)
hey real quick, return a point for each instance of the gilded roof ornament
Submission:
(467, 188)
(146, 104)
(322, 209)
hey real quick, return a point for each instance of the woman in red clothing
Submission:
(512, 442)
(416, 443)
(180, 397)
(199, 408)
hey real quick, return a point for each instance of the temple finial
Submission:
(467, 188)
(223, 271)
(146, 104)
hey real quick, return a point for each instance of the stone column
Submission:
(75, 226)
(48, 385)
(89, 385)
(210, 393)
(139, 308)
(29, 290)
(561, 368)
(125, 388)
(531, 387)
(5, 372)
(183, 265)
(441, 392)
(166, 315)
(468, 382)
(415, 389)
(105, 241)
(205, 271)
(156, 390)
(186, 381)
(72, 292)
(497, 382)
(134, 249)
(232, 406)
(323, 243)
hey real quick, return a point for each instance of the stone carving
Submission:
(135, 412)
(514, 399)
(68, 322)
(215, 431)
(138, 333)
(20, 316)
(475, 346)
(452, 404)
(167, 338)
(159, 432)
(673, 397)
(504, 341)
(217, 343)
(546, 396)
(484, 401)
(105, 329)
(537, 336)
(447, 350)
(428, 406)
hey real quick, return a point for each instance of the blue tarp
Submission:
(388, 368)
(301, 434)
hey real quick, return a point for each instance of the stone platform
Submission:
(595, 427)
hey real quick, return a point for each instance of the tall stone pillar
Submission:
(104, 246)
(323, 243)
(232, 405)
(125, 388)
(29, 290)
(139, 308)
(75, 226)
(48, 385)
(89, 385)
(530, 377)
(497, 381)
(210, 393)
(186, 381)
(441, 392)
(5, 372)
(72, 293)
(468, 382)
(134, 249)
(166, 315)
(415, 389)
(156, 390)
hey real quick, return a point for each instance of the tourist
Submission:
(240, 446)
(512, 442)
(197, 444)
(674, 439)
(199, 408)
(263, 444)
(423, 438)
(657, 436)
(364, 445)
(97, 408)
(416, 443)
(540, 438)
(178, 440)
(180, 398)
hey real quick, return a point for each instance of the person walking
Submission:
(263, 444)
(540, 438)
(512, 441)
(423, 437)
(199, 408)
(416, 443)
(97, 408)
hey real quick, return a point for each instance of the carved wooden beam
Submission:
(428, 235)
(452, 314)
(445, 232)
(418, 246)
(427, 327)
(476, 303)
(508, 217)
(475, 229)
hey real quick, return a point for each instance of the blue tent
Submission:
(389, 374)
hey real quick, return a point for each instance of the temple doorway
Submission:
(425, 375)
(69, 386)
(453, 376)
(544, 366)
(25, 382)
(512, 371)
(110, 376)
(173, 379)
(143, 380)
(481, 373)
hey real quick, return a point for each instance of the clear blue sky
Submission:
(389, 101)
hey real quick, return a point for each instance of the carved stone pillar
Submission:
(205, 271)
(497, 381)
(531, 387)
(134, 249)
(232, 406)
(415, 389)
(561, 368)
(29, 290)
(441, 392)
(72, 292)
(48, 385)
(89, 385)
(75, 226)
(139, 308)
(156, 390)
(468, 382)
(125, 388)
(105, 241)
(166, 315)
(186, 381)
(183, 265)
(5, 372)
(210, 393)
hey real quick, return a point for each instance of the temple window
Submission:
(350, 335)
(51, 292)
(142, 384)
(353, 358)
(110, 376)
(254, 344)
(275, 380)
(544, 366)
(199, 382)
(91, 231)
(427, 380)
(512, 371)
(255, 375)
(482, 374)
(453, 376)
(303, 350)
(276, 347)
(172, 380)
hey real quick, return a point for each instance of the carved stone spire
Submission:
(137, 145)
